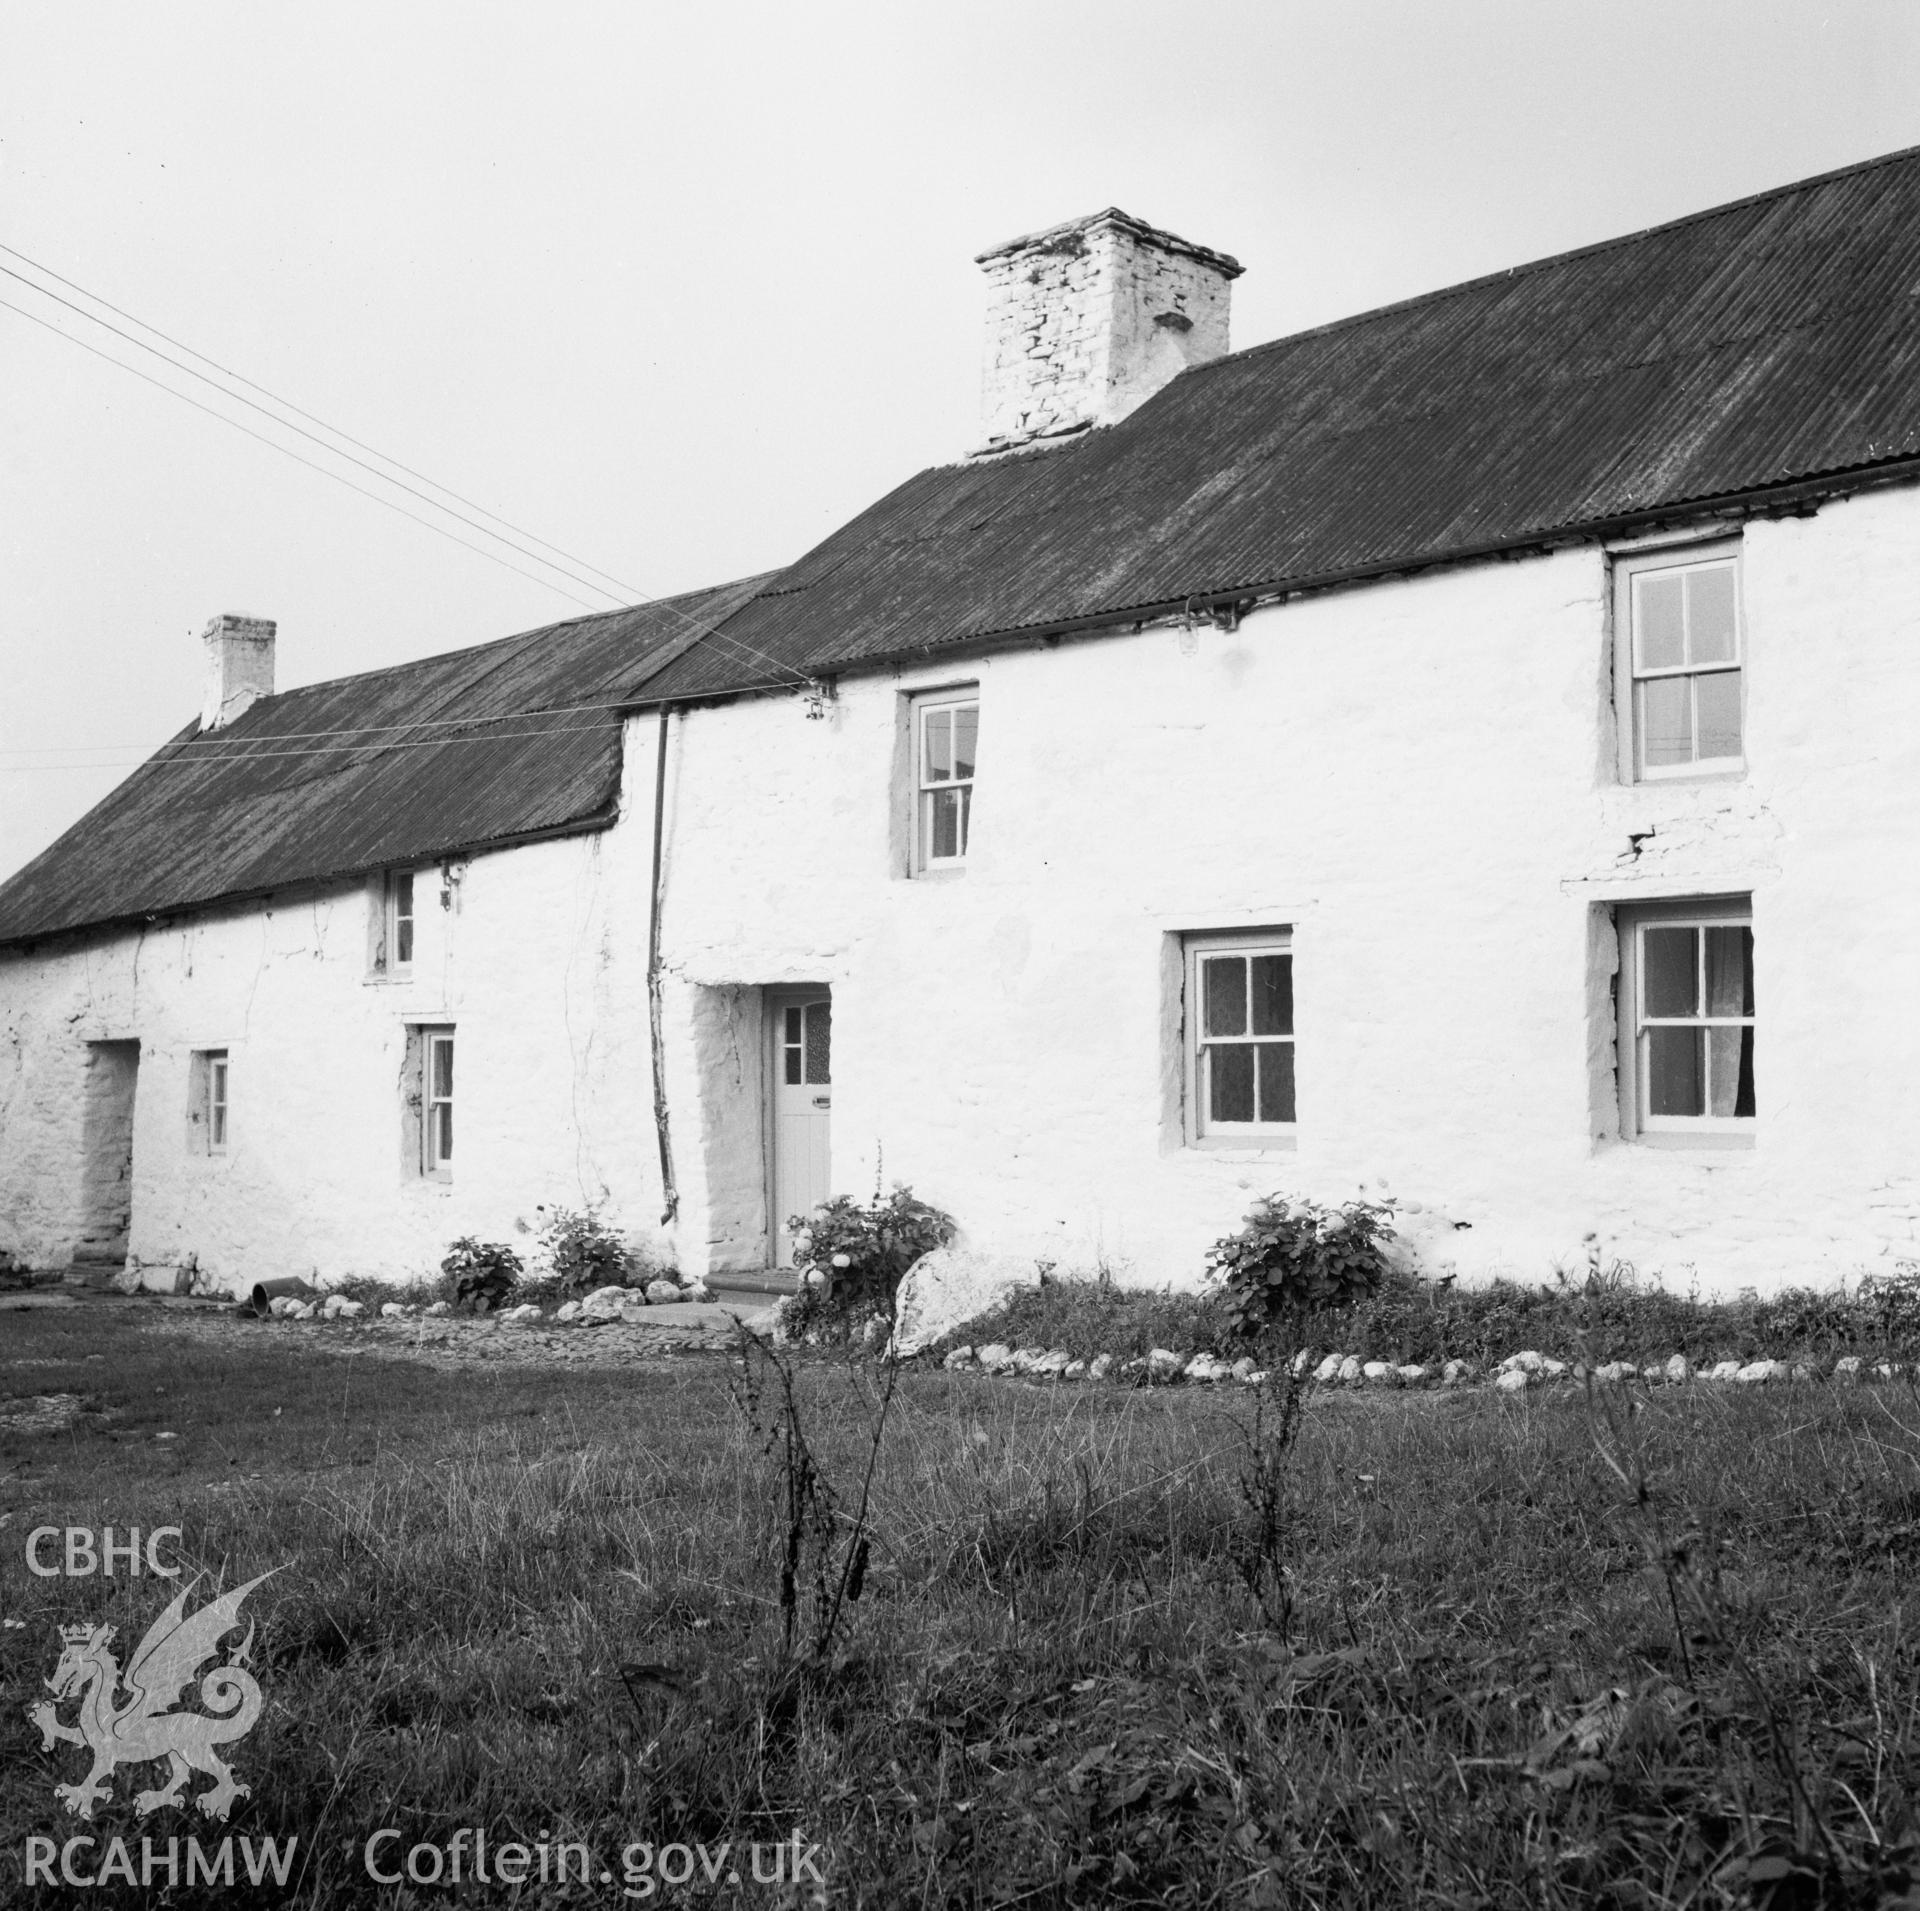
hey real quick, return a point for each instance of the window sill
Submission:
(937, 875)
(1667, 1142)
(1687, 779)
(386, 978)
(1243, 1147)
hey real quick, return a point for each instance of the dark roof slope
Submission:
(1763, 344)
(409, 764)
(1744, 348)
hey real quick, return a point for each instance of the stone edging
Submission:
(1516, 1374)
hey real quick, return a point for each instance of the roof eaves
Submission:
(602, 818)
(1754, 501)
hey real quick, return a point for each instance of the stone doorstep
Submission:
(770, 1281)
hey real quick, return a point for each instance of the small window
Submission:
(436, 1154)
(207, 1102)
(806, 1044)
(1687, 1034)
(1680, 677)
(1239, 1020)
(393, 938)
(946, 735)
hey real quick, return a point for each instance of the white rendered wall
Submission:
(535, 960)
(1420, 777)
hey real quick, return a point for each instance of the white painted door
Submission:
(802, 1031)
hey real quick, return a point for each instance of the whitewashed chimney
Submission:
(239, 667)
(1086, 321)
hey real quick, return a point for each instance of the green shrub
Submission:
(851, 1257)
(585, 1253)
(479, 1275)
(1296, 1260)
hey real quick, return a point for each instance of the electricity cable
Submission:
(252, 384)
(286, 424)
(287, 451)
(365, 729)
(738, 647)
(186, 756)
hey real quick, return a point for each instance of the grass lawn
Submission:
(546, 1605)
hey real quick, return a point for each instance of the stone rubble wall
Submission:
(1085, 324)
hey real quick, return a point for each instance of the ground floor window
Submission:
(429, 1100)
(1239, 1036)
(207, 1102)
(1688, 1022)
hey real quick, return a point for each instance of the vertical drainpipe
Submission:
(668, 1190)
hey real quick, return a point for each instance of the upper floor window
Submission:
(393, 937)
(1680, 655)
(1240, 1036)
(1687, 1036)
(946, 735)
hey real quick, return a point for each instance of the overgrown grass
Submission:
(1601, 1317)
(1097, 1317)
(548, 1603)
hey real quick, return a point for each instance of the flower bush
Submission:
(584, 1253)
(851, 1257)
(1297, 1259)
(479, 1275)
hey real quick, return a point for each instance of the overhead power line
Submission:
(287, 451)
(362, 729)
(287, 424)
(287, 404)
(519, 542)
(188, 757)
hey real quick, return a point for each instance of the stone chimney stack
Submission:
(1086, 321)
(239, 667)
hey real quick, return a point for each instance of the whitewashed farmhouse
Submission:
(1468, 753)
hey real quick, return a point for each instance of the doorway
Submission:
(106, 1148)
(800, 1033)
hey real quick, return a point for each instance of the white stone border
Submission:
(1515, 1374)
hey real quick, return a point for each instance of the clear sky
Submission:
(682, 287)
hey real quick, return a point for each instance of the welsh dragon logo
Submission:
(142, 1728)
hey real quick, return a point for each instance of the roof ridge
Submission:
(532, 631)
(1527, 266)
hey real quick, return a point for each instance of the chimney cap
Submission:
(230, 623)
(1071, 234)
(239, 668)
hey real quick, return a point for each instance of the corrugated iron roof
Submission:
(1749, 347)
(405, 765)
(1763, 344)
